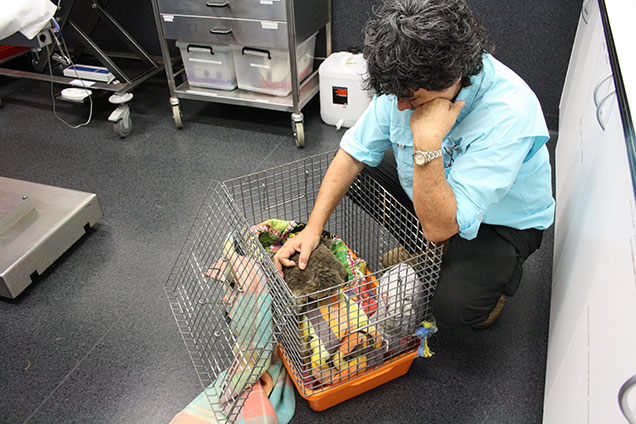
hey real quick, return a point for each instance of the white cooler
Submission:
(208, 65)
(267, 70)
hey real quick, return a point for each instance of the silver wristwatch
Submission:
(421, 158)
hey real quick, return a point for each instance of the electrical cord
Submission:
(65, 52)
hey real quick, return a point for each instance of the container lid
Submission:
(344, 63)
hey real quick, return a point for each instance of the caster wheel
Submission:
(176, 115)
(299, 134)
(123, 127)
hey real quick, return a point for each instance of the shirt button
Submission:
(479, 216)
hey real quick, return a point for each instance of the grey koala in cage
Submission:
(323, 272)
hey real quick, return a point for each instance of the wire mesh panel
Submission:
(220, 297)
(330, 335)
(284, 191)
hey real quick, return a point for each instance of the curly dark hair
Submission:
(429, 44)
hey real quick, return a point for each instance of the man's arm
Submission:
(433, 199)
(340, 174)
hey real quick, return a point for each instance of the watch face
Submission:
(419, 158)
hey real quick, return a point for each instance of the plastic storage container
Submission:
(208, 65)
(267, 70)
(342, 98)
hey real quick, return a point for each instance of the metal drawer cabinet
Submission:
(276, 24)
(244, 32)
(251, 9)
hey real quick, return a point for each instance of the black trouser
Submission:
(475, 273)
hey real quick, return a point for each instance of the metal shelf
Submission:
(241, 23)
(308, 89)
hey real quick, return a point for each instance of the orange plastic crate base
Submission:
(330, 397)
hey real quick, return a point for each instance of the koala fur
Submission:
(323, 271)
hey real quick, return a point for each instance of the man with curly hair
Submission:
(469, 157)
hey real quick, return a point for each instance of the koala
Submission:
(323, 271)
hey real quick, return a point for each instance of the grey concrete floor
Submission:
(93, 339)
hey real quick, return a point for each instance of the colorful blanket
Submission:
(349, 332)
(340, 342)
(249, 303)
(249, 310)
(271, 401)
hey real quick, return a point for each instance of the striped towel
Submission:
(251, 324)
(271, 401)
(271, 398)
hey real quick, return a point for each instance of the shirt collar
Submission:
(468, 94)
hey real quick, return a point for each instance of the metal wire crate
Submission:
(233, 308)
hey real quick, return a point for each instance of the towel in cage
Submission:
(340, 342)
(399, 291)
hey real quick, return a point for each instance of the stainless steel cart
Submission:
(268, 24)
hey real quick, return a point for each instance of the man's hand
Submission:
(304, 242)
(432, 121)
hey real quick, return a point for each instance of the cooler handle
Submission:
(199, 48)
(256, 52)
(217, 4)
(623, 400)
(221, 31)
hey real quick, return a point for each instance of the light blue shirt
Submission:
(495, 157)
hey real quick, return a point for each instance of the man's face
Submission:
(422, 96)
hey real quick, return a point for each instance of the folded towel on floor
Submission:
(270, 401)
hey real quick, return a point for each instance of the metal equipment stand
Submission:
(284, 26)
(125, 81)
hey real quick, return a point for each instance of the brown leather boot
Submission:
(494, 314)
